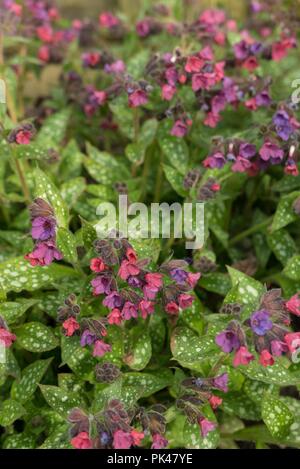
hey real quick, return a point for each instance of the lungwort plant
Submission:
(117, 342)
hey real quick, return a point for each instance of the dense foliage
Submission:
(120, 342)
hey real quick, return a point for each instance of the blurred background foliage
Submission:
(134, 9)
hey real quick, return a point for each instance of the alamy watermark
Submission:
(137, 220)
(2, 92)
(295, 98)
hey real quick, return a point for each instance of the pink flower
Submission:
(82, 441)
(122, 440)
(207, 53)
(192, 279)
(250, 63)
(278, 348)
(293, 305)
(150, 293)
(70, 326)
(193, 64)
(206, 426)
(279, 50)
(137, 437)
(128, 269)
(101, 348)
(108, 20)
(44, 54)
(211, 120)
(167, 92)
(45, 33)
(215, 402)
(137, 98)
(23, 137)
(179, 129)
(293, 341)
(212, 16)
(44, 254)
(154, 280)
(129, 311)
(241, 165)
(7, 337)
(146, 308)
(131, 255)
(115, 317)
(242, 357)
(159, 442)
(185, 300)
(172, 308)
(266, 358)
(97, 265)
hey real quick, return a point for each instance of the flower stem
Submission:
(20, 173)
(250, 231)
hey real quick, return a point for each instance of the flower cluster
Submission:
(113, 427)
(267, 330)
(132, 290)
(198, 393)
(43, 233)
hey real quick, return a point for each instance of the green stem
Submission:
(250, 231)
(20, 173)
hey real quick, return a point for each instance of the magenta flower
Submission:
(101, 348)
(172, 308)
(7, 337)
(137, 98)
(293, 305)
(228, 341)
(193, 64)
(122, 440)
(206, 426)
(242, 357)
(129, 311)
(216, 160)
(278, 348)
(159, 442)
(185, 300)
(102, 284)
(44, 254)
(247, 150)
(179, 275)
(82, 441)
(128, 269)
(154, 280)
(167, 92)
(146, 308)
(70, 326)
(87, 338)
(192, 279)
(143, 27)
(115, 317)
(271, 152)
(43, 228)
(266, 358)
(179, 129)
(221, 382)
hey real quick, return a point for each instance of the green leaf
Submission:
(285, 214)
(146, 248)
(66, 243)
(245, 290)
(189, 349)
(242, 406)
(139, 349)
(277, 416)
(58, 439)
(147, 384)
(175, 179)
(54, 129)
(88, 233)
(215, 282)
(17, 275)
(282, 245)
(31, 152)
(292, 268)
(135, 152)
(47, 190)
(60, 400)
(193, 439)
(79, 359)
(275, 374)
(19, 441)
(177, 152)
(35, 337)
(105, 168)
(71, 162)
(148, 132)
(23, 390)
(10, 411)
(11, 312)
(72, 190)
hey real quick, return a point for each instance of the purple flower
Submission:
(230, 90)
(143, 28)
(228, 341)
(179, 276)
(179, 129)
(44, 254)
(256, 48)
(87, 338)
(102, 284)
(217, 160)
(116, 67)
(282, 123)
(247, 150)
(271, 152)
(263, 98)
(134, 282)
(241, 50)
(221, 382)
(129, 310)
(113, 300)
(43, 228)
(260, 322)
(278, 348)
